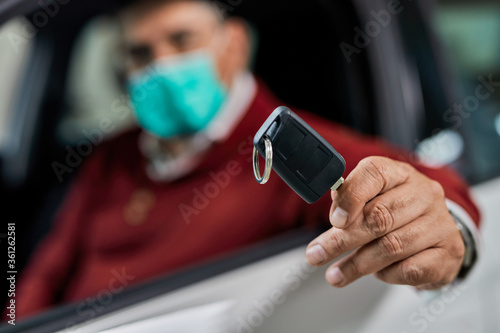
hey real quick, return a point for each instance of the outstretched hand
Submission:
(396, 221)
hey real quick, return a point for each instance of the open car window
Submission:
(401, 87)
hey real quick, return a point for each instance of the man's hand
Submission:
(396, 221)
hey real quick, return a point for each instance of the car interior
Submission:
(398, 89)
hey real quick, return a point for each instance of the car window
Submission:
(93, 90)
(471, 34)
(472, 49)
(462, 129)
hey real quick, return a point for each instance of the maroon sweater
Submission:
(117, 221)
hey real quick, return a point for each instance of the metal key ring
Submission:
(269, 162)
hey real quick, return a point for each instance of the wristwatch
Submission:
(470, 255)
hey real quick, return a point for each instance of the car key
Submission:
(298, 154)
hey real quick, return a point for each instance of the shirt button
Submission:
(137, 210)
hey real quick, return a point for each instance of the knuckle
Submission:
(391, 245)
(402, 202)
(375, 166)
(406, 167)
(359, 268)
(457, 249)
(348, 194)
(379, 220)
(447, 276)
(411, 274)
(436, 188)
(337, 240)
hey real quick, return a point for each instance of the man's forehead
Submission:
(168, 17)
(182, 10)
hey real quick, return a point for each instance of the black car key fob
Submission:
(298, 154)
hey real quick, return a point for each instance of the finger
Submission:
(333, 195)
(372, 176)
(381, 253)
(382, 215)
(432, 267)
(392, 210)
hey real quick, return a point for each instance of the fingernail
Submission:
(315, 254)
(339, 218)
(334, 276)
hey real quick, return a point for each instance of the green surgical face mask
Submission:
(178, 95)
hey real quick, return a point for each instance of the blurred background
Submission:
(415, 84)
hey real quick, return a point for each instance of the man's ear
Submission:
(239, 43)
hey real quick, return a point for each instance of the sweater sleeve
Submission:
(51, 264)
(354, 147)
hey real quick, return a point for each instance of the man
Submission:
(181, 189)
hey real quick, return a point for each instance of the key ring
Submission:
(269, 162)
